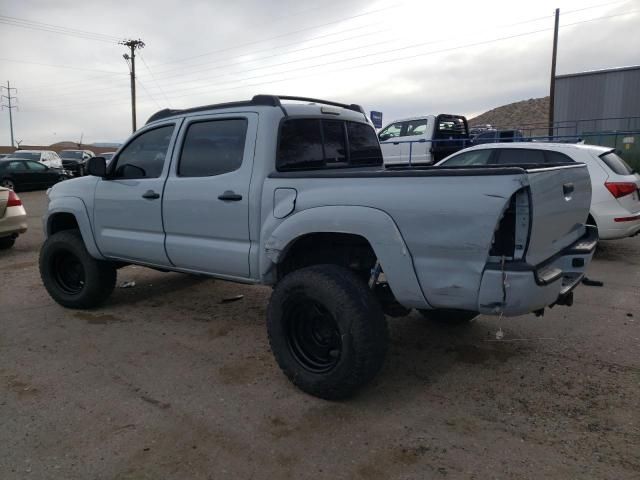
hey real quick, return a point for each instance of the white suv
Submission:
(615, 201)
(46, 157)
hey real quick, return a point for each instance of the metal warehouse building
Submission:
(597, 101)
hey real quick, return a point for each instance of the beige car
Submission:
(13, 218)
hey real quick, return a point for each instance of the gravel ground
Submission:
(168, 381)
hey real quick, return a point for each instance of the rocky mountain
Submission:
(532, 112)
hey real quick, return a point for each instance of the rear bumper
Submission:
(14, 221)
(520, 288)
(625, 225)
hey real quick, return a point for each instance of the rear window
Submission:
(309, 143)
(26, 155)
(617, 164)
(448, 126)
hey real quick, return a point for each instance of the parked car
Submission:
(3, 155)
(303, 203)
(13, 218)
(423, 140)
(74, 161)
(497, 136)
(46, 157)
(615, 201)
(19, 174)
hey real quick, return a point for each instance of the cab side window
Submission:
(392, 131)
(144, 157)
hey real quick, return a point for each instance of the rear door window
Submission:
(474, 157)
(517, 156)
(213, 148)
(557, 157)
(617, 164)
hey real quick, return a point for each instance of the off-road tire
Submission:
(7, 242)
(360, 329)
(449, 316)
(62, 256)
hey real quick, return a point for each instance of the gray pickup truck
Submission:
(291, 192)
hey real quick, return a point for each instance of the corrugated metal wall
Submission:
(598, 95)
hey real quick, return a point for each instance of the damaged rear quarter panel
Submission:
(446, 223)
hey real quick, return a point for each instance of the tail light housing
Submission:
(620, 189)
(14, 200)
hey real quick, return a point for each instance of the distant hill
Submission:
(524, 113)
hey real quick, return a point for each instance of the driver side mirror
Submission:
(97, 166)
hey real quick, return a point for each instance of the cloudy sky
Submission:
(403, 57)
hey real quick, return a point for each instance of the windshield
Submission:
(72, 154)
(27, 155)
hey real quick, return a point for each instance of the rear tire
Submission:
(449, 316)
(72, 277)
(327, 331)
(7, 242)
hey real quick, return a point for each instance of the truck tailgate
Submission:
(560, 199)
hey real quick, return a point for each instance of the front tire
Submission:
(7, 242)
(72, 277)
(327, 331)
(8, 183)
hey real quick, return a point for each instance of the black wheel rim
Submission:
(312, 334)
(68, 272)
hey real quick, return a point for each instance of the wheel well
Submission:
(62, 221)
(348, 250)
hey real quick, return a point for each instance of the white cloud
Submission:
(247, 47)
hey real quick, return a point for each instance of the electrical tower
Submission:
(131, 61)
(9, 106)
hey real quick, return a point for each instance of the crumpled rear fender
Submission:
(376, 226)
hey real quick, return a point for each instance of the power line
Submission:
(154, 80)
(280, 36)
(70, 67)
(389, 60)
(148, 93)
(47, 27)
(408, 57)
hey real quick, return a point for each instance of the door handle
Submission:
(567, 189)
(396, 143)
(151, 195)
(230, 196)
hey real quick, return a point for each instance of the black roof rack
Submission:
(263, 100)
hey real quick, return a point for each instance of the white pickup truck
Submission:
(291, 192)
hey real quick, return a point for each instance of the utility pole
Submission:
(9, 106)
(552, 87)
(131, 61)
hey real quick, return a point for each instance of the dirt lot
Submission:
(165, 381)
